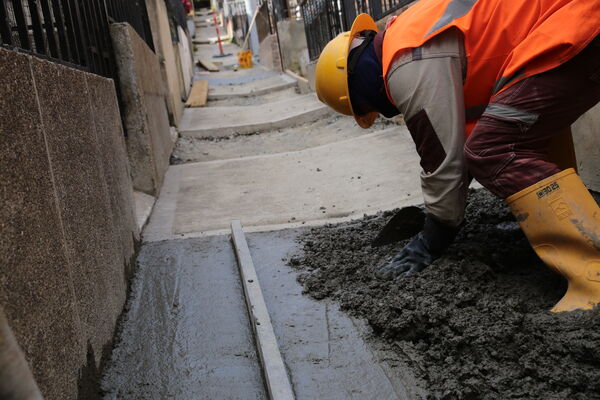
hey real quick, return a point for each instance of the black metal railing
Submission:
(72, 32)
(325, 19)
(133, 12)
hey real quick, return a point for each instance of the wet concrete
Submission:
(186, 333)
(475, 324)
(328, 354)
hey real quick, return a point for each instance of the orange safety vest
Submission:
(506, 41)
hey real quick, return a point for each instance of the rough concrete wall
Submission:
(586, 135)
(294, 49)
(163, 43)
(149, 143)
(269, 53)
(67, 224)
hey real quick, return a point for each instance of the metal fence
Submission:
(325, 19)
(72, 32)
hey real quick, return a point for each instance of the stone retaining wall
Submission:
(67, 227)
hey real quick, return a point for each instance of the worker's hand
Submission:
(422, 250)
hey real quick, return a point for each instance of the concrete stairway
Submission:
(265, 154)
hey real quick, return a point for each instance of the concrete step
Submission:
(334, 182)
(251, 88)
(272, 97)
(231, 77)
(226, 121)
(328, 129)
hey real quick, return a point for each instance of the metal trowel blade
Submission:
(403, 225)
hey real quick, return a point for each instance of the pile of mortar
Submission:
(475, 324)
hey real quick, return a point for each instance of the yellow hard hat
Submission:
(331, 73)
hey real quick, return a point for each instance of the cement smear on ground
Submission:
(474, 325)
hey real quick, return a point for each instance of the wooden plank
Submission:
(207, 64)
(278, 383)
(198, 95)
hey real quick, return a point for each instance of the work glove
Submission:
(422, 250)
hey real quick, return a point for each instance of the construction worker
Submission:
(484, 86)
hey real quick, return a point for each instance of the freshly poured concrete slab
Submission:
(186, 333)
(328, 355)
(226, 121)
(337, 181)
(251, 88)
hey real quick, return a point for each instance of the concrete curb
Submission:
(276, 378)
(246, 129)
(250, 93)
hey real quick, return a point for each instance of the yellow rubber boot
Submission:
(562, 222)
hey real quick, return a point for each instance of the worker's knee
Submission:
(487, 159)
(499, 165)
(479, 160)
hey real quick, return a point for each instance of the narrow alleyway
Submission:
(278, 161)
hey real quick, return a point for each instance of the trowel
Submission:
(403, 225)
